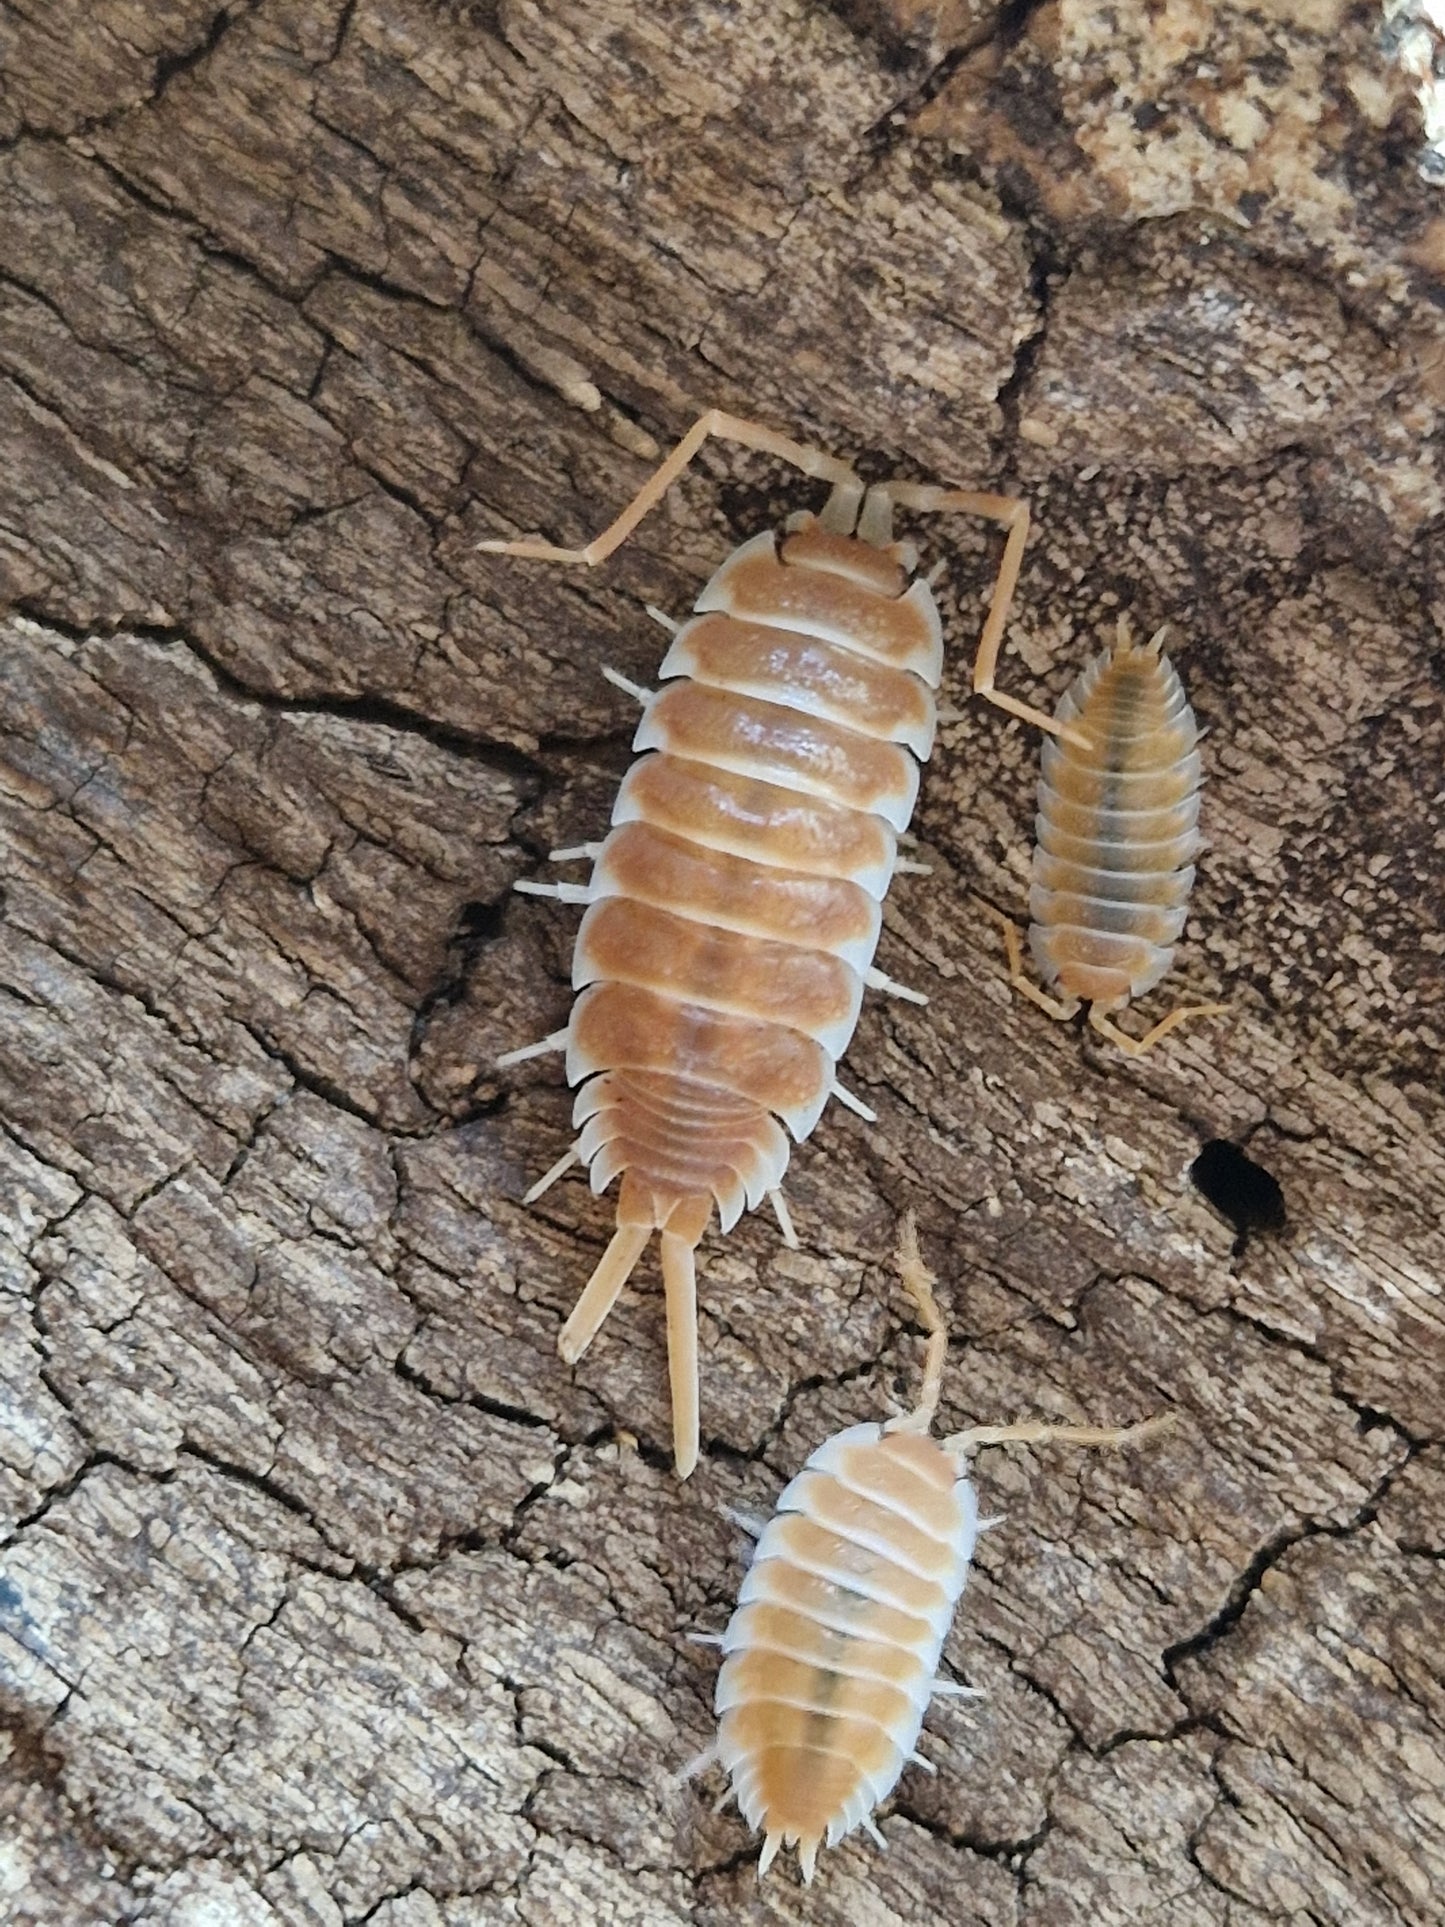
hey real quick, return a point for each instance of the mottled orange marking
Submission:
(655, 866)
(760, 821)
(818, 548)
(621, 1027)
(728, 731)
(807, 672)
(905, 632)
(635, 943)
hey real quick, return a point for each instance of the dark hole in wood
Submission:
(1239, 1189)
(482, 922)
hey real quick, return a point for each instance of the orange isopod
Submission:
(734, 909)
(831, 1657)
(1118, 831)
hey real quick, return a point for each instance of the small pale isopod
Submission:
(1118, 831)
(734, 909)
(831, 1657)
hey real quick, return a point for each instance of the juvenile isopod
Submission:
(1117, 835)
(831, 1658)
(734, 910)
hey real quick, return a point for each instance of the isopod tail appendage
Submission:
(681, 1222)
(600, 1294)
(679, 1282)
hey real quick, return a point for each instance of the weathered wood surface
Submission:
(329, 1595)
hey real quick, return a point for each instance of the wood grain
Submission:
(327, 1594)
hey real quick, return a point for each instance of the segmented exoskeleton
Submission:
(1118, 831)
(735, 907)
(831, 1656)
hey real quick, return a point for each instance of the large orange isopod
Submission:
(734, 909)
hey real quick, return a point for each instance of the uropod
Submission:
(734, 909)
(1117, 834)
(831, 1657)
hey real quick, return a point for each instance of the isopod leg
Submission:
(1136, 1046)
(699, 1763)
(1060, 1012)
(568, 1158)
(731, 428)
(635, 690)
(749, 1522)
(878, 980)
(555, 1040)
(851, 1101)
(951, 1689)
(784, 1218)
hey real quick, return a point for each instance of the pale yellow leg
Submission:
(1051, 1006)
(700, 1762)
(732, 428)
(1136, 1046)
(568, 1158)
(556, 1040)
(784, 1218)
(679, 1278)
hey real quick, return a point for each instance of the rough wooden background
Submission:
(328, 1595)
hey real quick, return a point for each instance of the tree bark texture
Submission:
(329, 1595)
